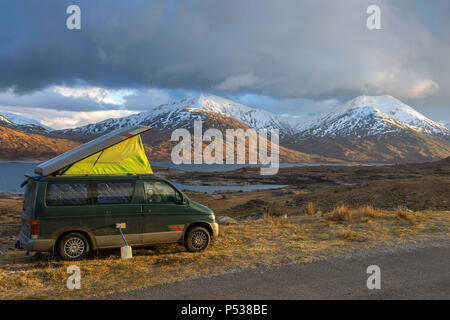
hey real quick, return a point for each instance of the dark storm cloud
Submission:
(287, 49)
(50, 98)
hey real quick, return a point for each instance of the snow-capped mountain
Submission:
(365, 129)
(362, 116)
(253, 118)
(399, 111)
(174, 115)
(447, 125)
(372, 129)
(22, 138)
(213, 111)
(368, 116)
(20, 122)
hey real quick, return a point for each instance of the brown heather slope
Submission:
(407, 147)
(158, 144)
(424, 186)
(19, 145)
(429, 193)
(162, 151)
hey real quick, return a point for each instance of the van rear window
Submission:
(67, 194)
(28, 199)
(114, 192)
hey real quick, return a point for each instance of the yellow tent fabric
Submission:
(124, 157)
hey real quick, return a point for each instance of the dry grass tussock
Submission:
(345, 213)
(311, 209)
(407, 215)
(250, 244)
(348, 235)
(275, 220)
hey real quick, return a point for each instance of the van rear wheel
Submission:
(73, 246)
(197, 239)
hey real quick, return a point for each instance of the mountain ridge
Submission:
(253, 118)
(20, 122)
(364, 129)
(386, 108)
(19, 145)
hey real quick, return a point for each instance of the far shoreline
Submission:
(283, 164)
(22, 161)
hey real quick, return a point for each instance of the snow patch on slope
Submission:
(399, 111)
(170, 114)
(372, 114)
(17, 120)
(364, 115)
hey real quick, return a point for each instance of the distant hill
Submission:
(12, 120)
(19, 145)
(368, 129)
(372, 129)
(164, 120)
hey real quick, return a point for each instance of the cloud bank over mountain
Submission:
(315, 50)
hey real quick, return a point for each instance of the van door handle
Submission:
(108, 211)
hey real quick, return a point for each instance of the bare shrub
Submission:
(348, 234)
(311, 209)
(366, 219)
(405, 214)
(273, 219)
(341, 213)
(402, 213)
(344, 213)
(368, 211)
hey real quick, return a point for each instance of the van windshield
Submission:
(161, 192)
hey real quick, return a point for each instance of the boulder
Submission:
(252, 216)
(226, 220)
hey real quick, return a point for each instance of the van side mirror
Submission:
(180, 198)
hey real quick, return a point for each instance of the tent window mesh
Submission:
(67, 194)
(114, 192)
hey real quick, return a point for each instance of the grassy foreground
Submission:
(251, 244)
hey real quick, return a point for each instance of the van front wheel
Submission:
(197, 239)
(73, 246)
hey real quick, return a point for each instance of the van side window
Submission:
(114, 192)
(67, 194)
(160, 192)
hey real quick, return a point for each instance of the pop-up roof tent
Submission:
(118, 152)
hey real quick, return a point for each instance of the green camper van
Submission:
(73, 214)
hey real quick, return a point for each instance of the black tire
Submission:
(73, 246)
(197, 239)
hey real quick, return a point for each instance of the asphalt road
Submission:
(413, 271)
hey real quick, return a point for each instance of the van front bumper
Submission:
(215, 228)
(39, 245)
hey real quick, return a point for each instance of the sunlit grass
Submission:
(267, 242)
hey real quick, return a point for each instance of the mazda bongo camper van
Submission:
(75, 202)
